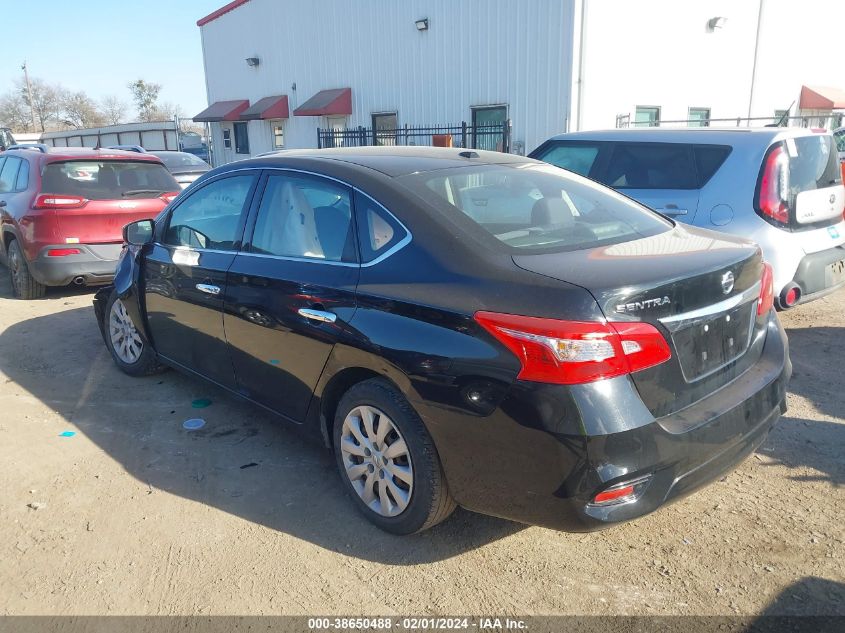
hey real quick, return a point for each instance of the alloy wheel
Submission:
(377, 461)
(124, 337)
(14, 269)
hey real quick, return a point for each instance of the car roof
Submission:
(392, 161)
(689, 135)
(79, 153)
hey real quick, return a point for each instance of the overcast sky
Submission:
(101, 45)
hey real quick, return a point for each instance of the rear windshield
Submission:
(536, 208)
(107, 180)
(813, 163)
(181, 159)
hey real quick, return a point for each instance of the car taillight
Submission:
(169, 197)
(573, 352)
(63, 252)
(767, 290)
(772, 199)
(58, 201)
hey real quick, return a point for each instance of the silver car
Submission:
(781, 187)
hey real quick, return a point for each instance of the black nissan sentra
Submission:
(461, 327)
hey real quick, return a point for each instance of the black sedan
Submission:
(461, 327)
(184, 166)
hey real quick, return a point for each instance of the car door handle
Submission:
(209, 289)
(317, 315)
(672, 210)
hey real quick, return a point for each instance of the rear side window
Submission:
(210, 217)
(650, 166)
(535, 208)
(304, 218)
(839, 137)
(708, 159)
(23, 177)
(813, 163)
(108, 180)
(9, 174)
(378, 230)
(577, 157)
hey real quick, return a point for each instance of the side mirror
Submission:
(139, 233)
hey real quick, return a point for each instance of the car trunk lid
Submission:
(699, 288)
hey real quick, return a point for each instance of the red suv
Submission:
(62, 211)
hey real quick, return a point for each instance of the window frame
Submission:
(277, 123)
(24, 166)
(705, 122)
(658, 113)
(163, 225)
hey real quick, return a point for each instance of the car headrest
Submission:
(548, 211)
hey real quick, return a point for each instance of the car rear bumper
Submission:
(813, 276)
(549, 474)
(94, 265)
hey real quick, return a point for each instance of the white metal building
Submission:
(276, 70)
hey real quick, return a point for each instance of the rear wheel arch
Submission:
(331, 394)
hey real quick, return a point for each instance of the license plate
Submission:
(835, 273)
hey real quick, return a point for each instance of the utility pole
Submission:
(29, 92)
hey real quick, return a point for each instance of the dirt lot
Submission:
(135, 515)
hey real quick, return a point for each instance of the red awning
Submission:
(267, 108)
(222, 111)
(327, 103)
(821, 98)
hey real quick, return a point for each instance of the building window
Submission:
(227, 138)
(488, 117)
(699, 117)
(782, 117)
(384, 128)
(241, 138)
(278, 128)
(647, 116)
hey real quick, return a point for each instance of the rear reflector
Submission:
(574, 352)
(767, 291)
(169, 197)
(58, 201)
(613, 495)
(63, 252)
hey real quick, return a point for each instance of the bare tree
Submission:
(46, 101)
(145, 96)
(81, 111)
(14, 112)
(113, 109)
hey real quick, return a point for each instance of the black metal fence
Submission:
(495, 137)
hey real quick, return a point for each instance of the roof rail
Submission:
(41, 147)
(126, 148)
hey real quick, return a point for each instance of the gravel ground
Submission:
(134, 515)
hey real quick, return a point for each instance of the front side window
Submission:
(304, 218)
(839, 137)
(535, 208)
(647, 116)
(241, 138)
(699, 117)
(210, 217)
(577, 157)
(650, 166)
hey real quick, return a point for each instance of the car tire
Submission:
(383, 450)
(24, 285)
(130, 352)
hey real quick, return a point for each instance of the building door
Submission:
(484, 122)
(337, 124)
